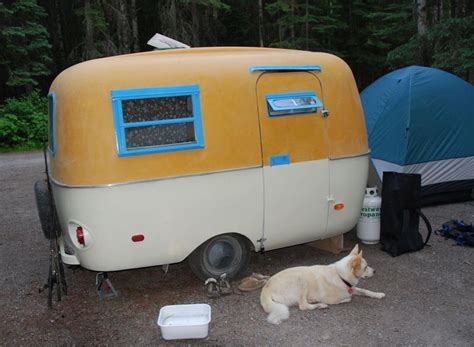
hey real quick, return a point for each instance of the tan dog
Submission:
(317, 286)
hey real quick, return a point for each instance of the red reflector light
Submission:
(339, 206)
(80, 236)
(138, 238)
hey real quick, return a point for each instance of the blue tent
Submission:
(421, 120)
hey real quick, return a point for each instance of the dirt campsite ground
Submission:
(429, 298)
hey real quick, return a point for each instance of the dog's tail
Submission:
(276, 312)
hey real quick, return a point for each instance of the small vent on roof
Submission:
(164, 42)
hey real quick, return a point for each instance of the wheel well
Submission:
(226, 260)
(245, 238)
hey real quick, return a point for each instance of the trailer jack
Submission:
(104, 287)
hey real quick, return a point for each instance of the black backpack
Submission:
(400, 214)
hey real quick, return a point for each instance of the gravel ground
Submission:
(429, 298)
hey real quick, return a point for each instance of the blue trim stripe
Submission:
(143, 93)
(285, 68)
(282, 159)
(153, 92)
(52, 118)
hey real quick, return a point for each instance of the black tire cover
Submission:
(45, 208)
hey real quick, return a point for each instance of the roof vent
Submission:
(164, 42)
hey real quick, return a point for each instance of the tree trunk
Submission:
(422, 16)
(280, 32)
(260, 22)
(123, 29)
(89, 47)
(28, 89)
(57, 34)
(195, 23)
(422, 25)
(173, 20)
(453, 8)
(292, 24)
(460, 8)
(134, 20)
(439, 10)
(306, 29)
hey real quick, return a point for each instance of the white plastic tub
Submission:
(184, 321)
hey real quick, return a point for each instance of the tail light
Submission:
(138, 237)
(80, 236)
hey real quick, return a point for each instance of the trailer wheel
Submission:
(229, 254)
(45, 208)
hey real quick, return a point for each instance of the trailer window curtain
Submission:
(52, 123)
(296, 103)
(153, 120)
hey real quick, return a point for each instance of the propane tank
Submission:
(368, 227)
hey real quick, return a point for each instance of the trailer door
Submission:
(294, 157)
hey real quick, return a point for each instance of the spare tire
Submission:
(46, 209)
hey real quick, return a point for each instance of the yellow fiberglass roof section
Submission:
(218, 85)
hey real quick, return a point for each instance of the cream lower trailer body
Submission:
(177, 215)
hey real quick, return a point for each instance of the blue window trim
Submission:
(282, 159)
(52, 145)
(285, 68)
(146, 93)
(271, 98)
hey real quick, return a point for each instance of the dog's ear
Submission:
(360, 254)
(355, 264)
(355, 250)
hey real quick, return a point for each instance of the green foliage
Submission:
(372, 36)
(448, 45)
(24, 122)
(217, 4)
(453, 45)
(25, 42)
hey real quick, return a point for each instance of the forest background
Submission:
(40, 38)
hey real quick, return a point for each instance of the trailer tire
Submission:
(46, 210)
(228, 253)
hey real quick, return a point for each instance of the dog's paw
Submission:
(379, 295)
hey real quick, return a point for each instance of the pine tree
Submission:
(26, 52)
(447, 43)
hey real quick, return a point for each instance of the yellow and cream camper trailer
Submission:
(205, 154)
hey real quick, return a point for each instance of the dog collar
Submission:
(349, 290)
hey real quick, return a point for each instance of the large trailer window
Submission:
(162, 119)
(52, 123)
(292, 103)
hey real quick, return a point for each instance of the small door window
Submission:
(292, 103)
(152, 120)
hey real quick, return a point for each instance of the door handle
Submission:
(325, 113)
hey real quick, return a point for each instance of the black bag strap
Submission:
(428, 225)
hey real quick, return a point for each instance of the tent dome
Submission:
(421, 120)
